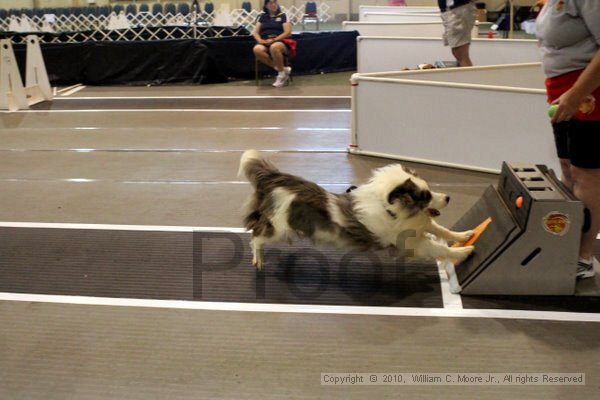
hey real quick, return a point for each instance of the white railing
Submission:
(82, 23)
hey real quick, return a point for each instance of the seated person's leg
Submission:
(262, 54)
(277, 51)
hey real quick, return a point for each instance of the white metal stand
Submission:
(12, 93)
(37, 85)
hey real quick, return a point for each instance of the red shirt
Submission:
(556, 86)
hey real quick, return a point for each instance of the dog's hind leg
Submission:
(257, 243)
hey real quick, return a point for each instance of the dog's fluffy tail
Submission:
(247, 157)
(254, 167)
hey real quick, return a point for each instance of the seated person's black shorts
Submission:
(578, 141)
(287, 48)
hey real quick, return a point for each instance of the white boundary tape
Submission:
(452, 303)
(199, 97)
(450, 298)
(304, 309)
(196, 129)
(224, 110)
(161, 228)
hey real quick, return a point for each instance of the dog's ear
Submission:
(423, 199)
(403, 193)
(410, 195)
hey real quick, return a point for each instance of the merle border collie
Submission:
(394, 204)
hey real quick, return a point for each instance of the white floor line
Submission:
(450, 300)
(304, 309)
(70, 92)
(160, 228)
(195, 130)
(199, 97)
(149, 182)
(223, 110)
(177, 150)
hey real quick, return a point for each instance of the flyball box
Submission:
(532, 245)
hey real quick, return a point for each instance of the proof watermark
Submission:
(306, 273)
(453, 378)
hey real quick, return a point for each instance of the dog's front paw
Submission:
(460, 254)
(462, 237)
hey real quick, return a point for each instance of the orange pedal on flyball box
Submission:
(476, 233)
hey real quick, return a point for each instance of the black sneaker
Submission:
(585, 269)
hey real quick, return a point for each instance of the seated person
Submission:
(271, 28)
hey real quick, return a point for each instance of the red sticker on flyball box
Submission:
(556, 223)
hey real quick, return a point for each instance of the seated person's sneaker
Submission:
(281, 79)
(585, 268)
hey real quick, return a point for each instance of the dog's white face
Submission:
(405, 193)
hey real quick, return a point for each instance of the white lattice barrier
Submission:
(90, 22)
(242, 17)
(131, 27)
(295, 13)
(61, 23)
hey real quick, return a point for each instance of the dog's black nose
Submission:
(447, 199)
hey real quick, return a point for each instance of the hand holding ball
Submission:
(587, 106)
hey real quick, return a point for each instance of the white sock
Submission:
(586, 260)
(281, 74)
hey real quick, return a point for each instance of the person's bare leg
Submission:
(261, 53)
(586, 187)
(277, 50)
(566, 178)
(461, 53)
